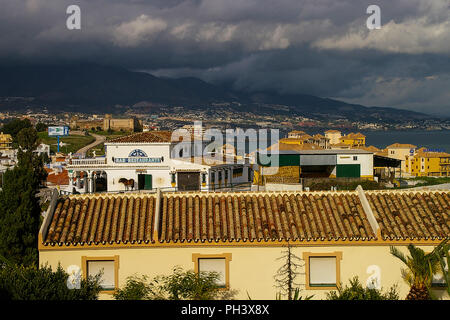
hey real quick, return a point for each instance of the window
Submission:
(237, 172)
(203, 177)
(107, 265)
(214, 262)
(355, 158)
(322, 270)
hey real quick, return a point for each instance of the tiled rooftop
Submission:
(411, 215)
(263, 217)
(352, 135)
(401, 146)
(102, 220)
(248, 216)
(145, 137)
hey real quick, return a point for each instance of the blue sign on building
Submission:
(137, 153)
(434, 150)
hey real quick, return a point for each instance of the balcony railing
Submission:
(87, 162)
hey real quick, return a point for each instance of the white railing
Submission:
(87, 162)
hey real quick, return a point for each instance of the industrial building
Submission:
(322, 163)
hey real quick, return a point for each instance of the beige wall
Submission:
(400, 154)
(252, 269)
(335, 137)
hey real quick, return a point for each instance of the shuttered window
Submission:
(107, 268)
(322, 271)
(216, 265)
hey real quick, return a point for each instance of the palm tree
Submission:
(442, 252)
(419, 274)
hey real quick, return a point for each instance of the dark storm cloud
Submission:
(320, 47)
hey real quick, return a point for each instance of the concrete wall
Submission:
(160, 178)
(251, 270)
(283, 187)
(365, 160)
(400, 154)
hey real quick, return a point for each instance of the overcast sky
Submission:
(318, 47)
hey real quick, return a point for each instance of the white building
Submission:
(327, 163)
(43, 148)
(150, 160)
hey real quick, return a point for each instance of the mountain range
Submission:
(98, 88)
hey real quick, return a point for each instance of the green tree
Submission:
(442, 252)
(19, 207)
(189, 285)
(136, 288)
(32, 283)
(41, 127)
(14, 126)
(419, 272)
(180, 285)
(356, 291)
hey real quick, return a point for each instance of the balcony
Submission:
(87, 162)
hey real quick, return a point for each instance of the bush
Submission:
(357, 292)
(180, 285)
(41, 127)
(188, 285)
(31, 283)
(343, 185)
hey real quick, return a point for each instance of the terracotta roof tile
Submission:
(401, 146)
(413, 215)
(251, 216)
(79, 220)
(145, 137)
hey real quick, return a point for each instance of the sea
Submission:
(430, 139)
(439, 139)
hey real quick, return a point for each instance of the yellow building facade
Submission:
(403, 152)
(5, 141)
(432, 164)
(354, 139)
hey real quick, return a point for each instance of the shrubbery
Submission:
(180, 285)
(31, 283)
(356, 291)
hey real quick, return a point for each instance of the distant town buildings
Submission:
(108, 123)
(414, 162)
